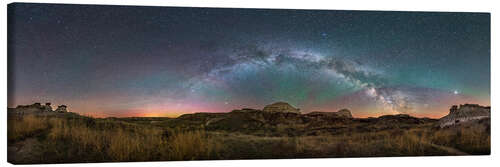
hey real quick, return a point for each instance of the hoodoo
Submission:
(61, 109)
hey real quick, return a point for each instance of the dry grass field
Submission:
(69, 138)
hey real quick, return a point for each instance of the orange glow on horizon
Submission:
(171, 111)
(433, 114)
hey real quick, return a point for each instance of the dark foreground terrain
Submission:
(53, 137)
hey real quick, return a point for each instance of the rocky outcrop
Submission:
(344, 113)
(34, 105)
(47, 108)
(61, 109)
(276, 120)
(246, 110)
(38, 108)
(258, 122)
(464, 113)
(34, 108)
(281, 107)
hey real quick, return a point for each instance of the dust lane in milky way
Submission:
(165, 61)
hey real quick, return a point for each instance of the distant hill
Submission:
(39, 135)
(283, 119)
(265, 122)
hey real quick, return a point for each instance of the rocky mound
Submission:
(276, 122)
(403, 119)
(281, 107)
(344, 113)
(37, 108)
(61, 109)
(242, 119)
(464, 113)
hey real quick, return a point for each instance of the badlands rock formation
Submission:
(38, 108)
(61, 109)
(464, 113)
(344, 113)
(281, 107)
(47, 107)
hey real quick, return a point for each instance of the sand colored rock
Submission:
(343, 113)
(61, 109)
(281, 107)
(464, 113)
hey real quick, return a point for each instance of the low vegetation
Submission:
(473, 138)
(67, 138)
(86, 139)
(22, 127)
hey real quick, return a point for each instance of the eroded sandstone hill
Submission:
(37, 108)
(344, 113)
(281, 107)
(465, 113)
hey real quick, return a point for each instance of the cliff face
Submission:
(464, 113)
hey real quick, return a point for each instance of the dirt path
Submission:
(27, 150)
(450, 150)
(24, 151)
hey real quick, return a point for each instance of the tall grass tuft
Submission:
(127, 142)
(193, 145)
(22, 127)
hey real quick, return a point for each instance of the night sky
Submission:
(163, 61)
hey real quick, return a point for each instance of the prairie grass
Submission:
(472, 139)
(134, 143)
(385, 143)
(85, 139)
(413, 142)
(90, 140)
(193, 145)
(22, 127)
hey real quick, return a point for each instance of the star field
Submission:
(166, 61)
